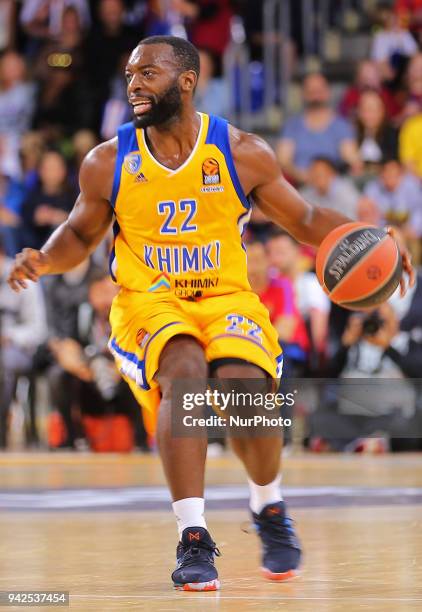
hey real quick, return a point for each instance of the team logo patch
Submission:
(132, 163)
(160, 283)
(142, 337)
(211, 172)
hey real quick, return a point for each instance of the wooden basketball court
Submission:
(99, 527)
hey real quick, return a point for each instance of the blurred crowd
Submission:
(62, 91)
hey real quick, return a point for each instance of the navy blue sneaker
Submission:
(281, 548)
(195, 569)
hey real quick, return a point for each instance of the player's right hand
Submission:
(30, 264)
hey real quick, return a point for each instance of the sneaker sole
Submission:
(211, 585)
(279, 577)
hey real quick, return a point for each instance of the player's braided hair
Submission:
(186, 54)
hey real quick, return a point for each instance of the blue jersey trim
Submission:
(156, 334)
(279, 361)
(218, 135)
(126, 143)
(242, 223)
(132, 358)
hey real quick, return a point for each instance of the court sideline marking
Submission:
(218, 497)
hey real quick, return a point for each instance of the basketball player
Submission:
(179, 185)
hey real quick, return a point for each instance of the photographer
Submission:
(84, 383)
(371, 348)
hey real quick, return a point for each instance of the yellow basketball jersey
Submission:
(179, 231)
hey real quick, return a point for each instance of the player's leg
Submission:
(153, 342)
(183, 461)
(181, 358)
(261, 457)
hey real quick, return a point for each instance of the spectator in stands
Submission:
(284, 255)
(409, 13)
(398, 196)
(367, 77)
(63, 99)
(109, 39)
(116, 109)
(7, 24)
(155, 18)
(377, 139)
(277, 294)
(13, 192)
(83, 141)
(258, 227)
(412, 104)
(212, 95)
(17, 97)
(317, 132)
(22, 327)
(252, 15)
(368, 211)
(410, 144)
(208, 23)
(32, 148)
(327, 188)
(12, 195)
(42, 19)
(48, 205)
(392, 44)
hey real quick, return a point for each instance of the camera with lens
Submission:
(372, 324)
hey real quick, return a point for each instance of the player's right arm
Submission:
(87, 224)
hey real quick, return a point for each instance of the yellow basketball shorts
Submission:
(234, 325)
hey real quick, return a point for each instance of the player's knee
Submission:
(191, 365)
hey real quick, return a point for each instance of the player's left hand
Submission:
(405, 257)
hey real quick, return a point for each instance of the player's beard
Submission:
(163, 108)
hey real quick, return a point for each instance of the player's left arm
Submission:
(261, 176)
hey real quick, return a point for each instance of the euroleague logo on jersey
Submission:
(132, 163)
(211, 172)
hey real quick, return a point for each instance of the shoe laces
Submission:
(191, 554)
(278, 530)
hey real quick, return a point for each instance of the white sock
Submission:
(189, 513)
(261, 495)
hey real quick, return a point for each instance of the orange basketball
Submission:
(210, 166)
(358, 265)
